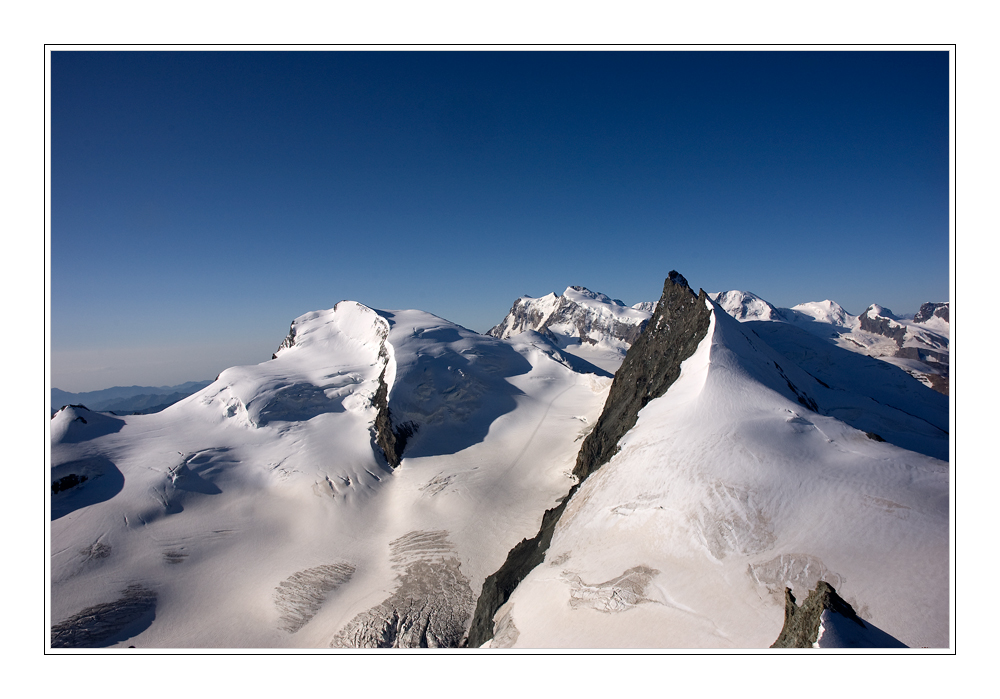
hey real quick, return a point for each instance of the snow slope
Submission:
(262, 511)
(919, 346)
(727, 490)
(259, 512)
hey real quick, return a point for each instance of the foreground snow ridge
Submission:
(391, 479)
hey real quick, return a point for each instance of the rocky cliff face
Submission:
(390, 438)
(932, 310)
(826, 620)
(801, 629)
(881, 321)
(652, 364)
(578, 313)
(928, 347)
(289, 341)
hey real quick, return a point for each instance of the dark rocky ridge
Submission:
(929, 310)
(521, 560)
(801, 629)
(391, 439)
(937, 361)
(883, 325)
(289, 341)
(652, 364)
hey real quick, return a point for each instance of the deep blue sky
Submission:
(202, 200)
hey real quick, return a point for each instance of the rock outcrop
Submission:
(390, 438)
(289, 341)
(651, 365)
(881, 321)
(932, 310)
(827, 620)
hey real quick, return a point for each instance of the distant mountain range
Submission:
(127, 400)
(918, 346)
(674, 474)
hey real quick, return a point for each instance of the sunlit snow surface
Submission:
(725, 492)
(256, 513)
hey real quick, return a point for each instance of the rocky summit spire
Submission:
(651, 365)
(827, 620)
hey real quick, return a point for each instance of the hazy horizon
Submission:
(202, 200)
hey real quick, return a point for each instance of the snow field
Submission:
(257, 505)
(726, 475)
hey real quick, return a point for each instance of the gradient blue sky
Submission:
(202, 200)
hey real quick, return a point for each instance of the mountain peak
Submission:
(743, 305)
(932, 310)
(875, 310)
(675, 277)
(578, 314)
(578, 293)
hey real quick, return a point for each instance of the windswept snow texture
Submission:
(727, 490)
(261, 512)
(580, 322)
(920, 346)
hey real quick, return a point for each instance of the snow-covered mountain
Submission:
(390, 478)
(742, 305)
(717, 477)
(584, 323)
(918, 346)
(263, 511)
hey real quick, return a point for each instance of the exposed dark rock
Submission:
(801, 629)
(882, 325)
(289, 341)
(874, 437)
(391, 439)
(940, 383)
(923, 355)
(83, 482)
(929, 310)
(67, 482)
(652, 364)
(521, 560)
